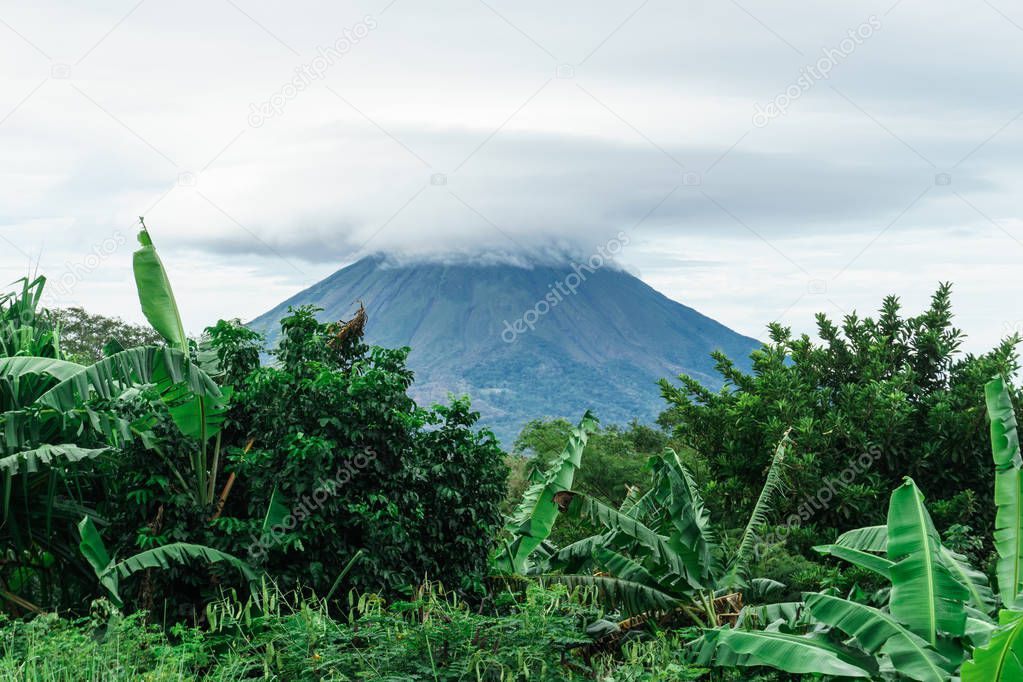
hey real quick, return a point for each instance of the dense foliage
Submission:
(158, 475)
(64, 424)
(338, 443)
(292, 513)
(616, 463)
(875, 400)
(933, 622)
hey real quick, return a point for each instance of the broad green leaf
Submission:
(577, 556)
(981, 596)
(25, 378)
(647, 541)
(871, 562)
(625, 568)
(869, 539)
(687, 519)
(156, 295)
(534, 518)
(110, 573)
(979, 631)
(95, 552)
(165, 368)
(45, 456)
(631, 597)
(772, 487)
(875, 539)
(276, 512)
(1001, 660)
(196, 418)
(879, 632)
(1008, 493)
(925, 595)
(793, 614)
(761, 590)
(92, 546)
(799, 654)
(177, 553)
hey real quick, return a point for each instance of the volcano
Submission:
(526, 340)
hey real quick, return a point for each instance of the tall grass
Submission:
(433, 636)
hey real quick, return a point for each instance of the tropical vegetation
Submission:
(935, 619)
(210, 508)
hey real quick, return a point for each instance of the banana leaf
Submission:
(1008, 493)
(110, 573)
(156, 295)
(632, 597)
(1001, 659)
(866, 560)
(875, 539)
(798, 654)
(532, 521)
(200, 416)
(981, 597)
(167, 369)
(687, 518)
(869, 539)
(879, 632)
(45, 456)
(925, 596)
(645, 541)
(792, 614)
(773, 485)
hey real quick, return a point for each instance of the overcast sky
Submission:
(768, 159)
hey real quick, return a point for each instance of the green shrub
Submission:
(350, 462)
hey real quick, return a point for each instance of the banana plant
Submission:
(660, 552)
(531, 523)
(937, 622)
(110, 572)
(56, 415)
(198, 416)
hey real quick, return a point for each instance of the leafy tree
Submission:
(895, 388)
(83, 335)
(321, 469)
(343, 460)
